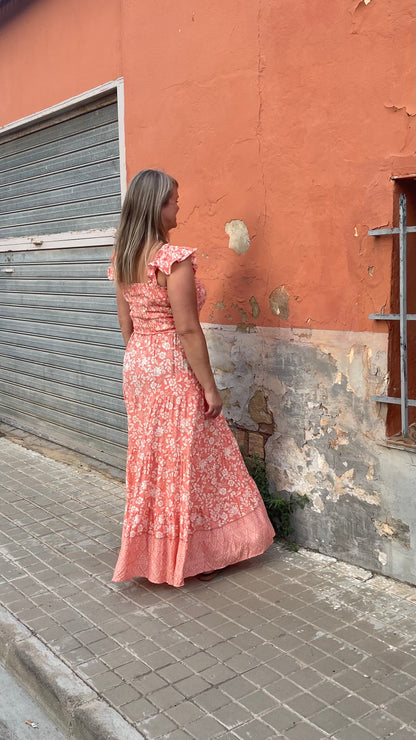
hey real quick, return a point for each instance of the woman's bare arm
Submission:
(123, 312)
(182, 298)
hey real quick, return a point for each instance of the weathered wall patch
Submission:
(239, 239)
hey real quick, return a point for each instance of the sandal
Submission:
(208, 576)
(211, 574)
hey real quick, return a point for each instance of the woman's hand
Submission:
(213, 403)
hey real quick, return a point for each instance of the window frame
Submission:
(401, 439)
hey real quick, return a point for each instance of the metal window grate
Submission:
(403, 230)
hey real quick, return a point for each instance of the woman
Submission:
(191, 507)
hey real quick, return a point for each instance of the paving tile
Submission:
(206, 639)
(261, 676)
(77, 655)
(329, 666)
(232, 715)
(242, 662)
(212, 699)
(139, 710)
(166, 639)
(305, 704)
(398, 682)
(157, 727)
(396, 658)
(127, 636)
(403, 734)
(259, 702)
(184, 713)
(176, 735)
(255, 730)
(285, 664)
(264, 651)
(281, 719)
(237, 687)
(183, 649)
(133, 670)
(353, 707)
(411, 668)
(247, 640)
(283, 689)
(330, 720)
(158, 659)
(142, 647)
(192, 686)
(352, 679)
(205, 727)
(376, 693)
(175, 672)
(351, 656)
(309, 654)
(200, 661)
(380, 723)
(148, 683)
(354, 732)
(118, 658)
(121, 694)
(107, 680)
(306, 677)
(304, 731)
(217, 674)
(375, 668)
(223, 651)
(402, 708)
(190, 629)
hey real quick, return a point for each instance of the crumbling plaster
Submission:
(328, 437)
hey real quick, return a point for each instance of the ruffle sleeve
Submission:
(169, 254)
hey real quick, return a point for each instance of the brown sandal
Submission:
(211, 574)
(208, 576)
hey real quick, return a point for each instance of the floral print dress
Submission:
(191, 506)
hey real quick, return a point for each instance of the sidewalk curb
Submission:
(73, 706)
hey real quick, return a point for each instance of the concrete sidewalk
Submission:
(289, 645)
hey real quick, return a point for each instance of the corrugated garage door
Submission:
(60, 347)
(62, 176)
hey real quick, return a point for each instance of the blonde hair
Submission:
(140, 228)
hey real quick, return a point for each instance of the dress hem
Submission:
(163, 560)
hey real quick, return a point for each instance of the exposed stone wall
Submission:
(303, 397)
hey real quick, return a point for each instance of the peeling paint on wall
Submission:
(398, 109)
(394, 529)
(279, 302)
(255, 308)
(327, 439)
(239, 239)
(258, 409)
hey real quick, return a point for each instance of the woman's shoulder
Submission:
(168, 254)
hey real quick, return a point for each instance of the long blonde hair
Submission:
(140, 228)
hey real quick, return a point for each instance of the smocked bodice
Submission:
(150, 309)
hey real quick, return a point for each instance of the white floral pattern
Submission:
(191, 505)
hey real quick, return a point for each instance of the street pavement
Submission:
(20, 715)
(289, 646)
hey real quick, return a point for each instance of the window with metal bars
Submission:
(401, 398)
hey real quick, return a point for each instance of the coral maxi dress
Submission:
(191, 505)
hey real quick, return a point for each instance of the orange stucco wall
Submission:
(289, 117)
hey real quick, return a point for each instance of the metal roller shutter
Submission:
(61, 350)
(64, 176)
